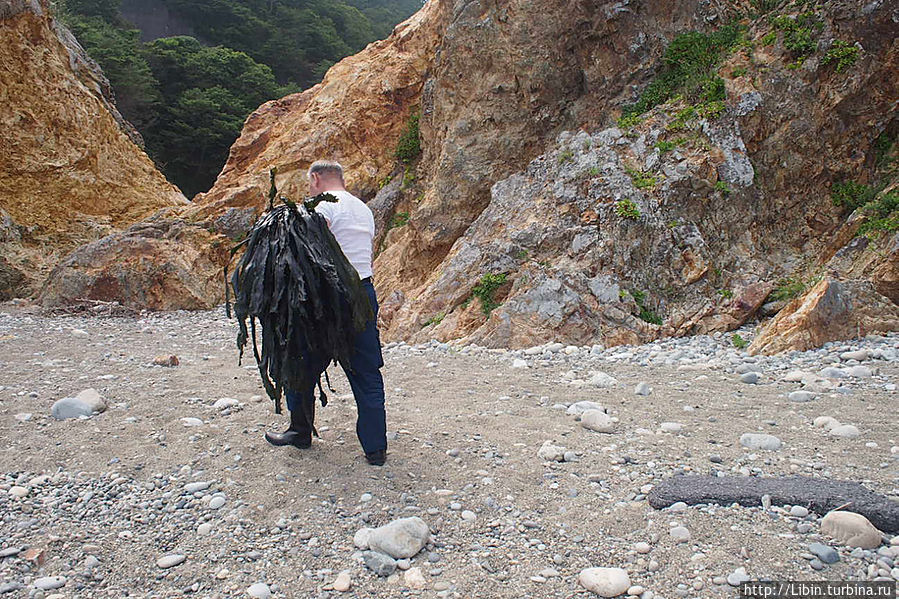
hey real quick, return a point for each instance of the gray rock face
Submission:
(379, 563)
(234, 222)
(12, 280)
(401, 538)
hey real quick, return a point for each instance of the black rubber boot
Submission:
(299, 434)
(376, 458)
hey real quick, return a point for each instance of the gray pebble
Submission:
(826, 554)
(379, 563)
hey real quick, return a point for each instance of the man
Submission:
(353, 226)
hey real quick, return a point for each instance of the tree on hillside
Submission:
(207, 94)
(119, 53)
(190, 100)
(108, 10)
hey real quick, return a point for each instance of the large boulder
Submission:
(160, 265)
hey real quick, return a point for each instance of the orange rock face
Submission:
(594, 232)
(355, 116)
(158, 265)
(69, 173)
(853, 302)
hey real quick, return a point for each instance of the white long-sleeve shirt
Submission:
(353, 226)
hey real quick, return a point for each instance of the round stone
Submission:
(851, 529)
(799, 511)
(71, 407)
(171, 560)
(750, 378)
(801, 396)
(605, 582)
(826, 422)
(48, 583)
(846, 431)
(259, 590)
(760, 441)
(598, 421)
(360, 539)
(680, 534)
(343, 582)
(216, 502)
(225, 403)
(401, 538)
(738, 577)
(196, 486)
(824, 553)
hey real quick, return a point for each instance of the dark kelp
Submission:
(295, 280)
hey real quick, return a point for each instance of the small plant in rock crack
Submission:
(627, 209)
(485, 290)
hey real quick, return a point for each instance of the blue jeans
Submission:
(364, 375)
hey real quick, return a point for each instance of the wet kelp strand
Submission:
(294, 279)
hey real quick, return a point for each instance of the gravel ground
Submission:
(90, 505)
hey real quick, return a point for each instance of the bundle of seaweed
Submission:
(294, 278)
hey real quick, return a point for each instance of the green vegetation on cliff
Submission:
(189, 98)
(688, 70)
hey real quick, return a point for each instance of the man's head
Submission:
(325, 175)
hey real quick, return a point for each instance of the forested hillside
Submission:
(189, 98)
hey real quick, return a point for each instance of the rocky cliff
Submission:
(71, 169)
(535, 213)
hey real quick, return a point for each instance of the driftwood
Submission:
(817, 494)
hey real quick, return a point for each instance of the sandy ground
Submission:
(465, 430)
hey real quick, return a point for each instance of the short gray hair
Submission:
(326, 167)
